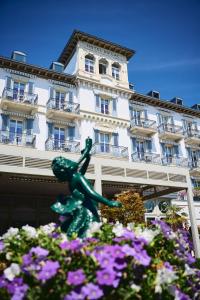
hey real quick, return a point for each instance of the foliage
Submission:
(113, 262)
(175, 218)
(132, 209)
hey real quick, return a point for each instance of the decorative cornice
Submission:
(60, 122)
(103, 119)
(17, 114)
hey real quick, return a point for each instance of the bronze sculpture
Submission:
(80, 208)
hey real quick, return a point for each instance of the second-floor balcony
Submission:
(143, 126)
(194, 166)
(108, 150)
(64, 110)
(192, 137)
(146, 157)
(19, 101)
(170, 132)
(62, 145)
(174, 161)
(18, 139)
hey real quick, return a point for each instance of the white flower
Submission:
(10, 233)
(188, 270)
(47, 229)
(12, 271)
(118, 229)
(63, 237)
(147, 234)
(8, 255)
(131, 226)
(94, 227)
(135, 287)
(164, 276)
(30, 231)
(104, 220)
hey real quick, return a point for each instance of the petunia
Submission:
(106, 276)
(76, 277)
(92, 291)
(48, 270)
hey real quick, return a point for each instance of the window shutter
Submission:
(145, 115)
(9, 83)
(5, 119)
(70, 97)
(184, 125)
(163, 149)
(176, 150)
(50, 130)
(159, 117)
(96, 136)
(97, 103)
(30, 87)
(114, 110)
(134, 143)
(149, 146)
(51, 92)
(131, 111)
(29, 126)
(195, 125)
(115, 139)
(71, 133)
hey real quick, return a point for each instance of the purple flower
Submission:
(120, 264)
(106, 276)
(1, 246)
(3, 281)
(141, 256)
(39, 251)
(74, 245)
(105, 260)
(20, 292)
(48, 270)
(27, 259)
(115, 251)
(76, 277)
(75, 296)
(92, 291)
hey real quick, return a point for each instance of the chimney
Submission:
(177, 100)
(154, 94)
(19, 56)
(57, 66)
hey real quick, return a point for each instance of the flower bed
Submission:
(113, 262)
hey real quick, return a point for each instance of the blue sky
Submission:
(164, 33)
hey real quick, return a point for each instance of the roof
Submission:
(35, 70)
(77, 35)
(165, 104)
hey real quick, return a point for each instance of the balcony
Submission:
(19, 101)
(170, 132)
(143, 126)
(66, 110)
(146, 157)
(194, 166)
(63, 146)
(110, 150)
(174, 161)
(192, 137)
(10, 138)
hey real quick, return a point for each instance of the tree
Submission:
(176, 218)
(132, 209)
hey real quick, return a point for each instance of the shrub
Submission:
(113, 262)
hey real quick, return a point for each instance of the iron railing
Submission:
(175, 161)
(12, 138)
(192, 133)
(65, 106)
(170, 128)
(106, 149)
(144, 123)
(52, 144)
(193, 164)
(147, 157)
(20, 96)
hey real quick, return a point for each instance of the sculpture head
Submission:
(63, 168)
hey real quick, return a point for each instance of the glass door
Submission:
(59, 138)
(104, 142)
(18, 91)
(59, 100)
(15, 131)
(138, 114)
(169, 153)
(194, 157)
(140, 146)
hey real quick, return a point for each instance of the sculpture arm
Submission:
(84, 167)
(88, 191)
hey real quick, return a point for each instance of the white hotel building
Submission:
(139, 140)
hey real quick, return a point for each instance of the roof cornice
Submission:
(165, 104)
(77, 35)
(36, 70)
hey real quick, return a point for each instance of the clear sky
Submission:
(164, 33)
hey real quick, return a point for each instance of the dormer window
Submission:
(103, 64)
(115, 70)
(89, 63)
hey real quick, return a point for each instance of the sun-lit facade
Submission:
(139, 140)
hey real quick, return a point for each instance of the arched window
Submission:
(115, 70)
(89, 63)
(103, 66)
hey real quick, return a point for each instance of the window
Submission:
(105, 106)
(59, 137)
(149, 206)
(18, 90)
(89, 63)
(59, 100)
(104, 142)
(115, 70)
(163, 206)
(15, 131)
(103, 66)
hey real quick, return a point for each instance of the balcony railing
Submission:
(106, 149)
(20, 96)
(192, 133)
(194, 164)
(144, 123)
(147, 157)
(11, 138)
(175, 161)
(170, 128)
(60, 145)
(66, 106)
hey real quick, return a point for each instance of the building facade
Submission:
(139, 140)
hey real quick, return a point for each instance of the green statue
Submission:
(80, 208)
